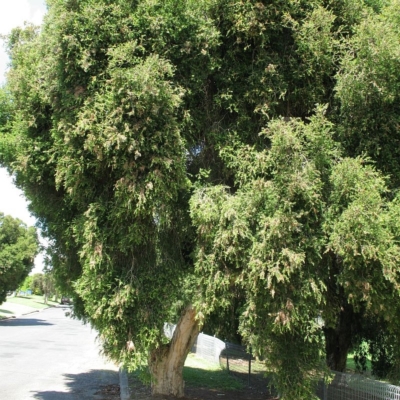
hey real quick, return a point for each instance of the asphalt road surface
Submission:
(49, 356)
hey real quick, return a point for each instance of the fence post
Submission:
(249, 364)
(325, 391)
(227, 356)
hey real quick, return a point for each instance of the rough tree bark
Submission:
(166, 363)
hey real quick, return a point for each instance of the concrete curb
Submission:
(21, 315)
(27, 313)
(123, 384)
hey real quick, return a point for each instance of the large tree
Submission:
(18, 247)
(174, 155)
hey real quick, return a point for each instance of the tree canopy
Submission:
(189, 158)
(18, 247)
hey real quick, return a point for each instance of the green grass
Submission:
(33, 301)
(199, 372)
(351, 364)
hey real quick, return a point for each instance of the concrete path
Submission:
(8, 309)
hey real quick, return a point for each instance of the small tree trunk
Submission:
(166, 363)
(338, 340)
(338, 336)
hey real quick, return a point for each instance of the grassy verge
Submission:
(33, 301)
(199, 372)
(4, 313)
(23, 304)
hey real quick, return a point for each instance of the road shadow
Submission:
(23, 322)
(92, 385)
(5, 311)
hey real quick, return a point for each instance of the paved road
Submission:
(49, 356)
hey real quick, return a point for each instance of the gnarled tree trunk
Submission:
(166, 363)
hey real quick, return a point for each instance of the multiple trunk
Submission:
(166, 362)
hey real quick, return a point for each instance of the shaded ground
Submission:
(108, 392)
(92, 385)
(257, 391)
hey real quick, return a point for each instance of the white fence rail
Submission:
(343, 386)
(358, 387)
(207, 347)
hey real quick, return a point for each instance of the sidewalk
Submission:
(12, 310)
(15, 306)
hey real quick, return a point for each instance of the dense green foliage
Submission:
(18, 248)
(305, 231)
(368, 89)
(175, 152)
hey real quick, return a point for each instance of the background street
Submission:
(47, 355)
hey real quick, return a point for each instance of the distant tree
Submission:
(49, 286)
(37, 283)
(26, 284)
(18, 248)
(41, 284)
